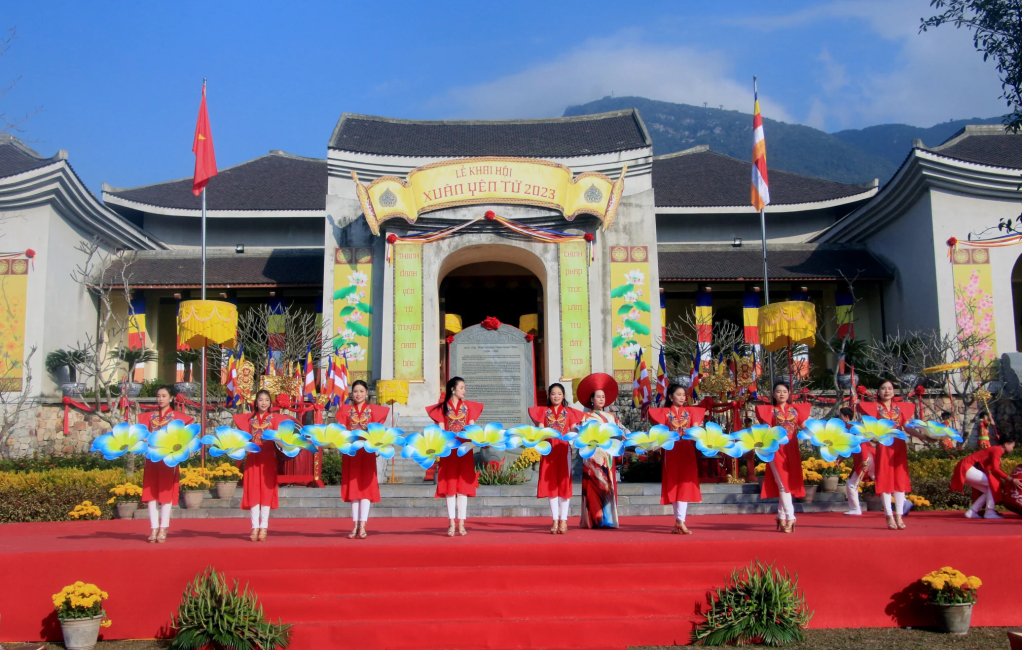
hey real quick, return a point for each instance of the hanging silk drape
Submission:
(201, 322)
(704, 325)
(784, 323)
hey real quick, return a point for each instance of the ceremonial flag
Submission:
(845, 315)
(310, 377)
(238, 366)
(693, 383)
(640, 383)
(271, 367)
(230, 384)
(760, 190)
(202, 147)
(661, 379)
(136, 324)
(704, 325)
(340, 379)
(750, 312)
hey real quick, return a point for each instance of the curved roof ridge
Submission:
(110, 189)
(534, 120)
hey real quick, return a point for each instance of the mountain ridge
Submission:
(847, 156)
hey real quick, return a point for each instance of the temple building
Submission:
(569, 229)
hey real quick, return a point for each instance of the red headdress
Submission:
(594, 382)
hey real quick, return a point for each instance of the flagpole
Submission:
(203, 297)
(766, 274)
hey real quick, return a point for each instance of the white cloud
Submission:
(621, 65)
(936, 75)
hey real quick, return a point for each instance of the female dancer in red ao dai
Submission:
(456, 479)
(892, 461)
(982, 471)
(159, 482)
(359, 473)
(784, 478)
(260, 479)
(680, 484)
(555, 467)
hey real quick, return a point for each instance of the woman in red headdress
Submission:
(456, 479)
(892, 460)
(359, 474)
(555, 467)
(784, 478)
(599, 477)
(680, 483)
(159, 482)
(260, 480)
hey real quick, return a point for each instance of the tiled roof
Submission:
(560, 137)
(786, 262)
(277, 181)
(182, 268)
(703, 178)
(984, 145)
(16, 158)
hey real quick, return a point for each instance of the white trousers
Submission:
(899, 503)
(462, 507)
(680, 510)
(852, 489)
(785, 507)
(159, 514)
(360, 510)
(260, 516)
(977, 480)
(559, 508)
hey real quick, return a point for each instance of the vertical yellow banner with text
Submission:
(574, 274)
(353, 311)
(14, 290)
(408, 311)
(629, 302)
(974, 302)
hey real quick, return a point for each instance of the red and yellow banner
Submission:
(574, 280)
(408, 311)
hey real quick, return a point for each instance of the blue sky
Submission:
(119, 83)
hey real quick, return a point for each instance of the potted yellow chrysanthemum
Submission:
(225, 479)
(194, 485)
(80, 611)
(125, 498)
(953, 595)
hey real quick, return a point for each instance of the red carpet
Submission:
(509, 583)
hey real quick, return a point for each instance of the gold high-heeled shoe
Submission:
(555, 528)
(362, 530)
(451, 528)
(780, 523)
(161, 536)
(890, 524)
(262, 534)
(461, 528)
(898, 522)
(563, 529)
(152, 536)
(354, 532)
(254, 537)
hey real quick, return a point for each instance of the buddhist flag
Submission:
(704, 325)
(845, 315)
(136, 324)
(230, 384)
(750, 312)
(661, 378)
(340, 388)
(310, 377)
(202, 147)
(760, 190)
(641, 388)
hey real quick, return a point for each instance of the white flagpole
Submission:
(766, 274)
(203, 297)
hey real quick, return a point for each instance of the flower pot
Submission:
(126, 509)
(225, 489)
(193, 499)
(759, 479)
(845, 381)
(81, 633)
(134, 389)
(954, 619)
(829, 483)
(874, 503)
(810, 494)
(72, 389)
(188, 388)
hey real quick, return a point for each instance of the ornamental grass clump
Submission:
(215, 614)
(759, 604)
(951, 587)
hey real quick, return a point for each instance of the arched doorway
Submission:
(1016, 300)
(508, 285)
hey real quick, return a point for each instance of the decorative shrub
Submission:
(938, 492)
(50, 496)
(494, 473)
(951, 587)
(331, 470)
(224, 472)
(124, 493)
(759, 604)
(80, 600)
(217, 615)
(85, 510)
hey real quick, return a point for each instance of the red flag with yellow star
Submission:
(202, 147)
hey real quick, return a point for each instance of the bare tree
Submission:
(14, 402)
(7, 122)
(681, 342)
(299, 327)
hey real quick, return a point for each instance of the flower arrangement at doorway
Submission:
(759, 604)
(630, 312)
